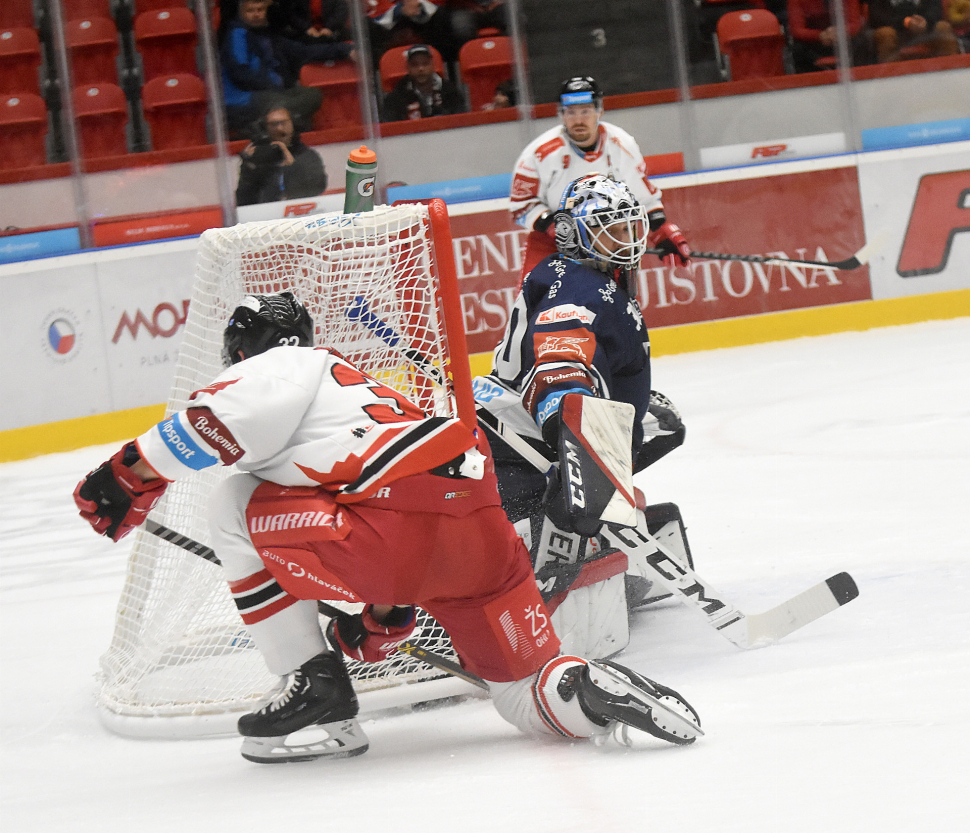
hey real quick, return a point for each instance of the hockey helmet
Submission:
(581, 89)
(264, 321)
(599, 219)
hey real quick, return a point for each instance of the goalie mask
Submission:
(264, 321)
(599, 219)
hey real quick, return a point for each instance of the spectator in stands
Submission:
(260, 67)
(900, 24)
(422, 92)
(958, 16)
(469, 17)
(325, 21)
(413, 21)
(811, 24)
(277, 165)
(505, 96)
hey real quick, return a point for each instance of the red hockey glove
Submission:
(671, 241)
(361, 637)
(113, 499)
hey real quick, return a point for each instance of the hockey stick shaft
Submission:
(360, 311)
(854, 262)
(428, 657)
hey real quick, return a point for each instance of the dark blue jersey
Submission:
(574, 328)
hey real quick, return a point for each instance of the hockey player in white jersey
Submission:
(584, 144)
(347, 491)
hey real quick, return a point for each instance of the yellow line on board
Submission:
(68, 434)
(118, 426)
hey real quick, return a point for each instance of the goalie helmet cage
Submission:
(181, 663)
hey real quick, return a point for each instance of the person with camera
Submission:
(276, 165)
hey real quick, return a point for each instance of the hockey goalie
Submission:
(572, 416)
(346, 490)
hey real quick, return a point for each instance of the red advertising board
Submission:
(814, 215)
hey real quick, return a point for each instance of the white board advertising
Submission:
(916, 207)
(91, 333)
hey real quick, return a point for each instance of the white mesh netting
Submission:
(179, 649)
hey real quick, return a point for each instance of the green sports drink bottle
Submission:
(361, 175)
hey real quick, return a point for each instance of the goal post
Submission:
(180, 662)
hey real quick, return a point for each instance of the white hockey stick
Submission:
(743, 629)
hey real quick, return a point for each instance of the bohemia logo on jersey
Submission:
(941, 211)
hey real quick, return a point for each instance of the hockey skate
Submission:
(610, 693)
(317, 698)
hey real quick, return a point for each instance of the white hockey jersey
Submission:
(300, 416)
(550, 162)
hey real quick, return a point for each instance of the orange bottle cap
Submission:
(363, 155)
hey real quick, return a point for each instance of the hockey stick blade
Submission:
(860, 258)
(201, 550)
(745, 630)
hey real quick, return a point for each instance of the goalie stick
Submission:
(743, 630)
(406, 647)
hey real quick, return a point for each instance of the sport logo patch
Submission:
(566, 312)
(523, 187)
(568, 345)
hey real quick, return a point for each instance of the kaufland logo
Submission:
(61, 335)
(163, 322)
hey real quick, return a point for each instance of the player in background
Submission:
(576, 331)
(584, 144)
(347, 491)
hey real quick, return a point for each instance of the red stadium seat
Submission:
(485, 63)
(17, 13)
(80, 9)
(393, 65)
(157, 5)
(341, 102)
(752, 43)
(92, 44)
(175, 109)
(166, 41)
(19, 61)
(101, 113)
(23, 128)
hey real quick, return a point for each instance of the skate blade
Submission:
(670, 718)
(343, 739)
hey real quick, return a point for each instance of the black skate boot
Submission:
(318, 694)
(611, 693)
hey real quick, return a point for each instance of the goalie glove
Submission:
(672, 243)
(113, 499)
(360, 636)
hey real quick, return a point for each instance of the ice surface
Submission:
(803, 458)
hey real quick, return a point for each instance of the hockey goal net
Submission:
(382, 290)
